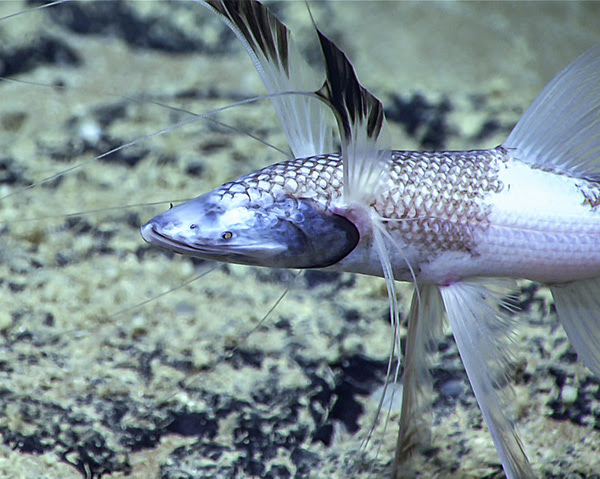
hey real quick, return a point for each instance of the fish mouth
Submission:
(154, 237)
(243, 254)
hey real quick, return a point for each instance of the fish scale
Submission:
(318, 178)
(441, 195)
(441, 206)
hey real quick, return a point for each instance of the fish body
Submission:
(451, 215)
(460, 225)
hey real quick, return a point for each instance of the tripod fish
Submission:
(461, 225)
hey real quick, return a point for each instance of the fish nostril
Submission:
(193, 226)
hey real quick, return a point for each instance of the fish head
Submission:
(277, 232)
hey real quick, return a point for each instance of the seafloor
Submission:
(95, 382)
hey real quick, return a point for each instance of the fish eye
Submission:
(227, 235)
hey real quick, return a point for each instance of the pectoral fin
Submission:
(481, 330)
(361, 123)
(578, 307)
(305, 120)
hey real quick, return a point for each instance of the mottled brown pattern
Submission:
(438, 194)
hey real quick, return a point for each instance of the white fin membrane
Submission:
(481, 331)
(560, 131)
(424, 329)
(305, 120)
(578, 307)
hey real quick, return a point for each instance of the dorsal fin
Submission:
(560, 131)
(304, 119)
(361, 121)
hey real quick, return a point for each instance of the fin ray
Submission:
(479, 326)
(424, 329)
(577, 305)
(304, 118)
(560, 131)
(361, 124)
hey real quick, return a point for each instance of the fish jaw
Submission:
(254, 228)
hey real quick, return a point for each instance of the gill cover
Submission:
(282, 233)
